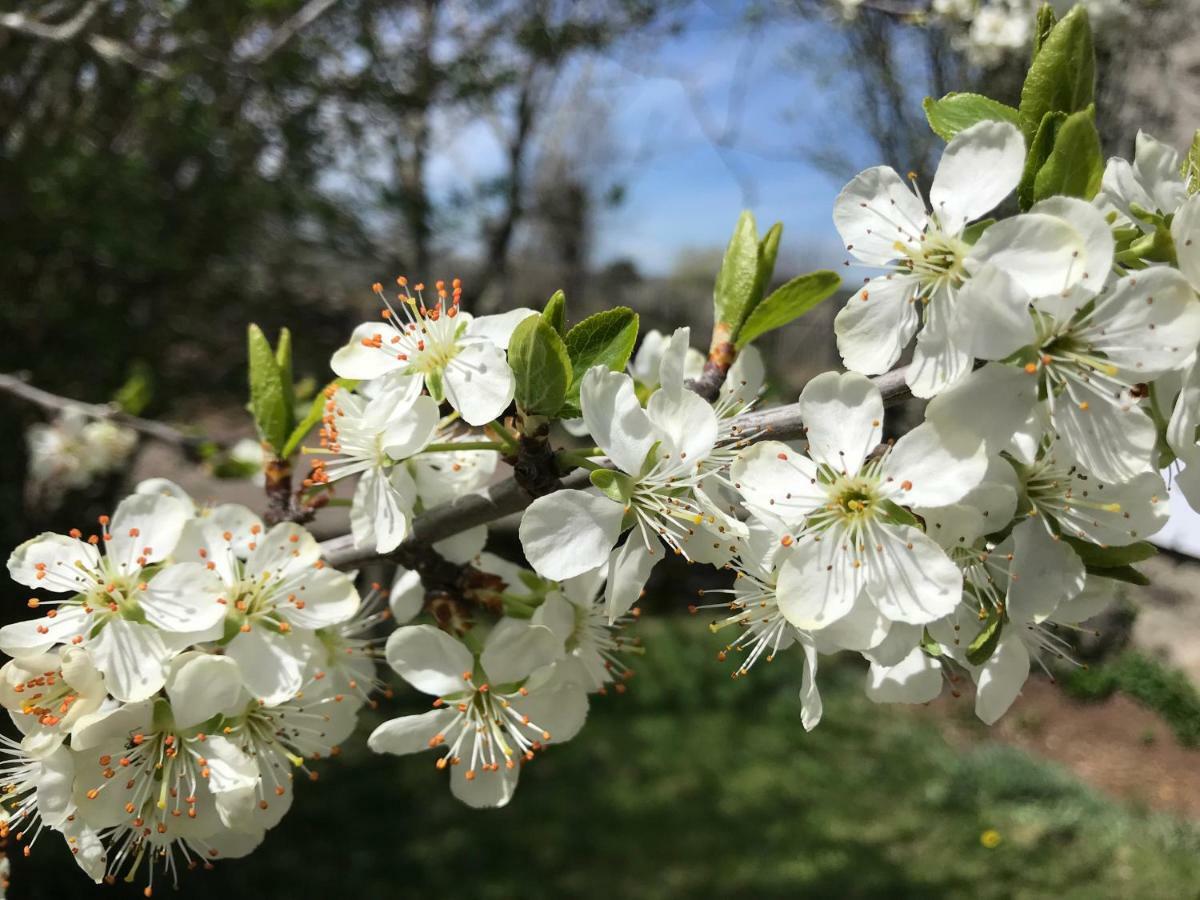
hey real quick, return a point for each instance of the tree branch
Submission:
(781, 423)
(159, 431)
(305, 16)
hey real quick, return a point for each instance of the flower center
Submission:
(937, 260)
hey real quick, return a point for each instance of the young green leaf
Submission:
(1190, 167)
(768, 251)
(1128, 574)
(981, 649)
(555, 312)
(1111, 557)
(1037, 154)
(1046, 20)
(788, 303)
(270, 404)
(605, 339)
(1062, 76)
(738, 280)
(1076, 162)
(283, 359)
(316, 412)
(541, 366)
(955, 112)
(616, 485)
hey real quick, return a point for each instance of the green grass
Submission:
(1166, 691)
(695, 786)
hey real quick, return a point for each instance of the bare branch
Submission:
(781, 423)
(305, 16)
(159, 431)
(61, 33)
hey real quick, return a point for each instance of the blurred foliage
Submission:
(1167, 691)
(691, 785)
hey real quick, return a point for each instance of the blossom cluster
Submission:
(71, 452)
(187, 661)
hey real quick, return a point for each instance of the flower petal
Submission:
(479, 383)
(200, 685)
(844, 418)
(934, 465)
(980, 167)
(915, 679)
(615, 419)
(991, 315)
(55, 562)
(362, 362)
(382, 508)
(1001, 678)
(412, 429)
(498, 328)
(876, 324)
(777, 481)
(909, 577)
(429, 659)
(1039, 251)
(629, 569)
(133, 658)
(874, 211)
(1044, 572)
(185, 597)
(569, 532)
(411, 734)
(816, 585)
(325, 597)
(511, 654)
(145, 529)
(272, 665)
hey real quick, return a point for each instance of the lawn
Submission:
(692, 785)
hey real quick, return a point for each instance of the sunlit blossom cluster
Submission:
(187, 664)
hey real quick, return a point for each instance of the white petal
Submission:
(464, 546)
(559, 707)
(902, 638)
(874, 211)
(941, 358)
(1043, 573)
(844, 418)
(412, 430)
(484, 790)
(498, 328)
(915, 679)
(686, 423)
(1001, 678)
(328, 597)
(54, 562)
(990, 403)
(407, 596)
(991, 315)
(286, 548)
(382, 509)
(628, 571)
(1147, 324)
(1185, 417)
(876, 324)
(569, 532)
(510, 654)
(30, 637)
(1112, 443)
(910, 578)
(429, 659)
(410, 734)
(201, 685)
(672, 362)
(776, 480)
(1157, 168)
(185, 597)
(86, 847)
(615, 419)
(811, 707)
(272, 665)
(817, 586)
(133, 658)
(357, 360)
(1097, 259)
(145, 527)
(1039, 251)
(1185, 230)
(934, 465)
(1098, 594)
(860, 629)
(980, 167)
(479, 383)
(558, 614)
(745, 378)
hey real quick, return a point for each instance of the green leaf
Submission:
(956, 112)
(1128, 574)
(541, 366)
(1062, 75)
(283, 359)
(135, 394)
(616, 485)
(605, 339)
(1037, 154)
(1189, 169)
(1046, 20)
(768, 251)
(734, 291)
(555, 312)
(788, 303)
(1076, 162)
(270, 404)
(981, 649)
(316, 412)
(1110, 557)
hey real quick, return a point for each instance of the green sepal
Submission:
(436, 386)
(615, 485)
(1128, 574)
(975, 230)
(980, 650)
